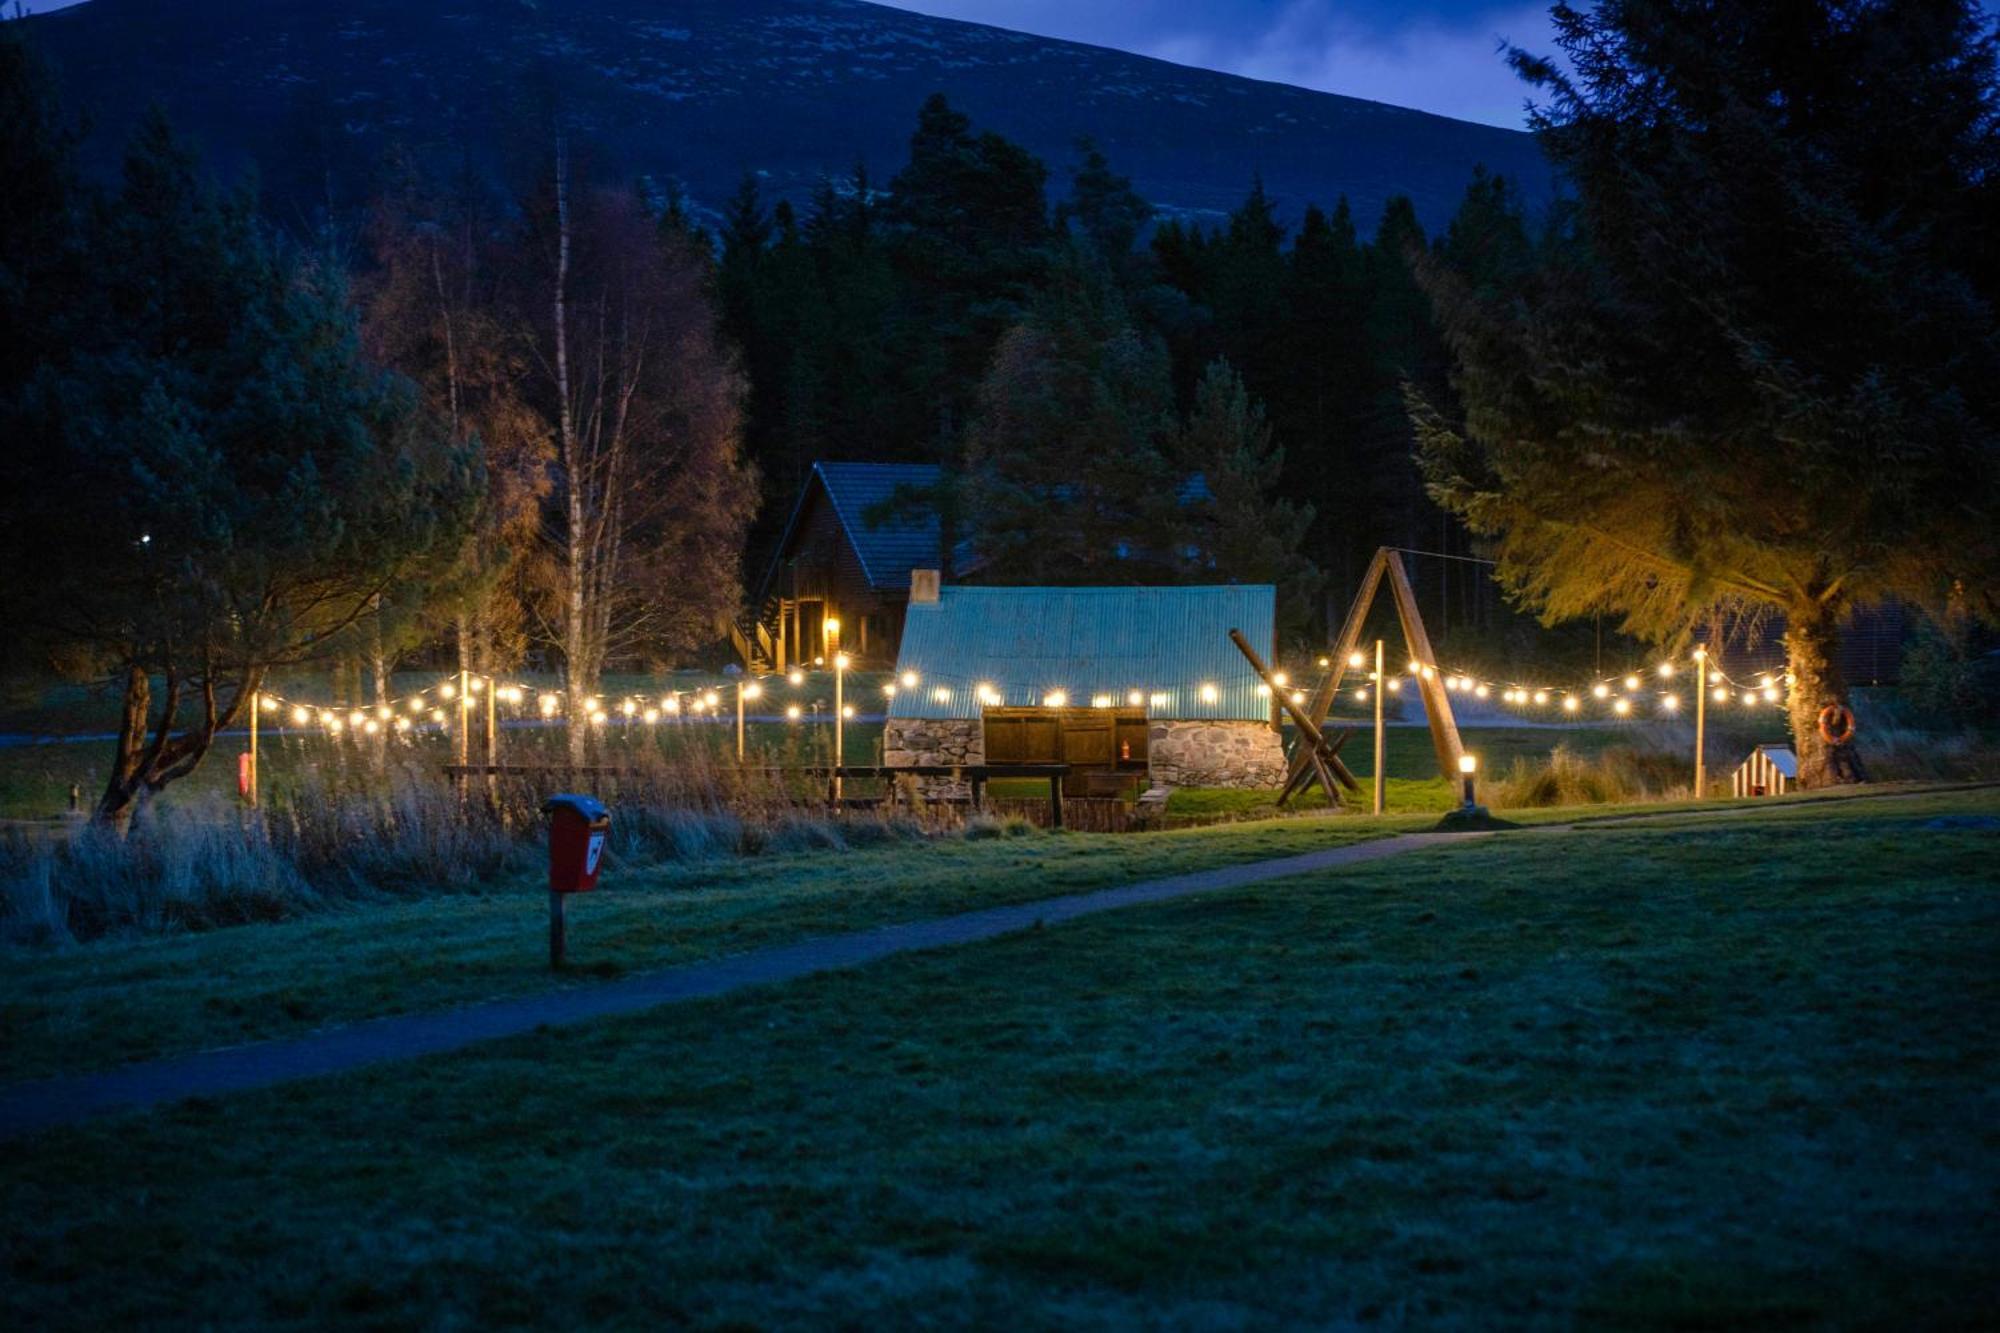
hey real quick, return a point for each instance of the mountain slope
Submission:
(699, 91)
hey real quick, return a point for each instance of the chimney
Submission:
(923, 585)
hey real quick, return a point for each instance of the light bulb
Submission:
(909, 680)
(1354, 659)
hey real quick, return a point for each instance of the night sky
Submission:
(1435, 55)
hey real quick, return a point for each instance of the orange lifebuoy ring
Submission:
(1842, 714)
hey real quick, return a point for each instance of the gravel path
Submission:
(28, 1107)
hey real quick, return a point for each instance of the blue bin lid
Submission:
(589, 807)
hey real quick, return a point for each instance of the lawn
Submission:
(117, 1000)
(1737, 1073)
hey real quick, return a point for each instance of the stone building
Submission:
(1128, 686)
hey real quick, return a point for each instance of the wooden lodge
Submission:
(840, 578)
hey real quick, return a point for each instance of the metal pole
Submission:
(464, 702)
(1700, 721)
(1381, 748)
(739, 719)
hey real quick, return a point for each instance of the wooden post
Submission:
(492, 742)
(1437, 705)
(1055, 800)
(1323, 759)
(256, 702)
(1301, 769)
(557, 934)
(1381, 746)
(1700, 721)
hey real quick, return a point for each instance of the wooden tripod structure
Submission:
(1306, 764)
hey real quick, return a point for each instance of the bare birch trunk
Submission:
(576, 479)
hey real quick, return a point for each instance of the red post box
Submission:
(578, 826)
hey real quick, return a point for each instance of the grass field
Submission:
(1705, 1072)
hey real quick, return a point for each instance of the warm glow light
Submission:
(1101, 701)
(1631, 682)
(1160, 699)
(909, 680)
(267, 703)
(1209, 694)
(1671, 703)
(847, 710)
(1361, 694)
(753, 690)
(652, 715)
(629, 707)
(384, 712)
(890, 689)
(711, 699)
(549, 704)
(1415, 667)
(672, 703)
(447, 690)
(402, 724)
(1263, 690)
(354, 718)
(599, 719)
(1541, 696)
(792, 712)
(819, 661)
(1722, 694)
(1428, 673)
(1135, 698)
(333, 725)
(1395, 687)
(1666, 670)
(833, 627)
(1280, 679)
(1354, 659)
(476, 684)
(371, 726)
(1325, 662)
(437, 716)
(1480, 691)
(512, 694)
(1055, 699)
(1601, 690)
(1622, 707)
(417, 704)
(1770, 695)
(1468, 763)
(1298, 696)
(796, 676)
(300, 717)
(840, 661)
(1700, 653)
(941, 695)
(1570, 704)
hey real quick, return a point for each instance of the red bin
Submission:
(578, 826)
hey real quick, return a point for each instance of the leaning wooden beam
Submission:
(1300, 771)
(1437, 703)
(1323, 757)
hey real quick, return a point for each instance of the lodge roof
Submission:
(1165, 642)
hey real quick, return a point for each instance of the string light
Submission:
(1101, 701)
(1354, 660)
(652, 715)
(267, 703)
(796, 677)
(890, 689)
(909, 680)
(1208, 693)
(791, 712)
(1135, 698)
(1631, 682)
(1055, 699)
(1571, 703)
(300, 717)
(1601, 690)
(754, 690)
(447, 690)
(1671, 703)
(1622, 707)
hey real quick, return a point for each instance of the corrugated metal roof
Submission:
(904, 541)
(1166, 643)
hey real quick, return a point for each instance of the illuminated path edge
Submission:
(28, 1107)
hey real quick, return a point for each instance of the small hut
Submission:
(1125, 685)
(1771, 770)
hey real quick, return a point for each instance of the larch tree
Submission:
(205, 478)
(1753, 365)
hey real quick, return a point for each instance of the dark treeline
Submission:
(1074, 361)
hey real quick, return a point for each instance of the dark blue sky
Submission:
(1435, 55)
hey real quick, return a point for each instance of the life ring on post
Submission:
(1836, 715)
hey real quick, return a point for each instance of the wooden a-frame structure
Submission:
(1307, 761)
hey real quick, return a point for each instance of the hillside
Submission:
(696, 92)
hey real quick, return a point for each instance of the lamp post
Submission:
(1700, 721)
(744, 690)
(1468, 767)
(839, 715)
(1381, 746)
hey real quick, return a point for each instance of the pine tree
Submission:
(1754, 366)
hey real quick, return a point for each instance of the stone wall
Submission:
(927, 740)
(1215, 754)
(933, 740)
